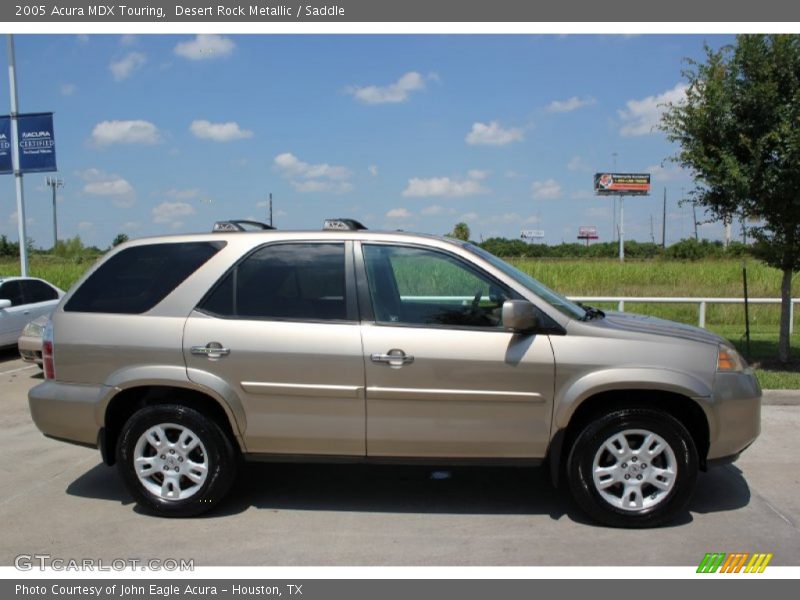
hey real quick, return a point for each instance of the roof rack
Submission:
(240, 225)
(342, 225)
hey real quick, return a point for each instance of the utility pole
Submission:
(270, 209)
(615, 232)
(694, 218)
(55, 183)
(12, 88)
(664, 222)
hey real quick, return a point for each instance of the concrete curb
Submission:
(780, 397)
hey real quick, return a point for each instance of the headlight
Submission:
(33, 329)
(729, 360)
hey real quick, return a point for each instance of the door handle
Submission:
(394, 358)
(211, 350)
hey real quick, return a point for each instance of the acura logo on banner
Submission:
(37, 143)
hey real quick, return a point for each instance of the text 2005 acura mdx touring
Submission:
(178, 355)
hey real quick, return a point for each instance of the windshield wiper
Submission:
(591, 312)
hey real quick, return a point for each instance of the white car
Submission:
(23, 299)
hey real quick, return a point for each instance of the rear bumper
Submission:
(30, 349)
(736, 408)
(68, 412)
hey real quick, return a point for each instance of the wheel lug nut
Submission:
(644, 465)
(180, 459)
(172, 451)
(633, 459)
(626, 475)
(637, 477)
(167, 469)
(177, 469)
(163, 456)
(624, 465)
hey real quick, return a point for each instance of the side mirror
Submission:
(519, 316)
(4, 303)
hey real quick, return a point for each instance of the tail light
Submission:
(48, 363)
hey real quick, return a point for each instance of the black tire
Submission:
(666, 505)
(220, 458)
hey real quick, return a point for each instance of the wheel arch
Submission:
(127, 401)
(685, 409)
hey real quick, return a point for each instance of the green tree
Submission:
(460, 232)
(739, 134)
(121, 238)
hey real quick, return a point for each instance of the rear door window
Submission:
(137, 278)
(298, 282)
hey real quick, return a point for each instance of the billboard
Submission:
(531, 234)
(587, 232)
(622, 184)
(37, 143)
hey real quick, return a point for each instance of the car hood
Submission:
(655, 326)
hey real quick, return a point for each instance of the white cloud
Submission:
(399, 91)
(445, 187)
(182, 194)
(205, 46)
(470, 216)
(493, 135)
(584, 194)
(219, 132)
(85, 225)
(664, 174)
(12, 219)
(171, 212)
(307, 177)
(477, 174)
(577, 163)
(128, 40)
(131, 225)
(399, 213)
(82, 38)
(135, 131)
(67, 89)
(549, 189)
(434, 209)
(126, 66)
(373, 170)
(640, 117)
(100, 183)
(570, 104)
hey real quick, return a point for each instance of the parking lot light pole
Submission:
(55, 183)
(12, 88)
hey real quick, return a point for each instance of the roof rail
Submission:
(240, 225)
(342, 224)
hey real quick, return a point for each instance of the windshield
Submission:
(556, 300)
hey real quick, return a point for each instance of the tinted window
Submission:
(425, 287)
(38, 291)
(12, 290)
(137, 278)
(284, 281)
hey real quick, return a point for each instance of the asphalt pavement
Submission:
(60, 500)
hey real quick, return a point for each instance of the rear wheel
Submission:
(175, 461)
(633, 468)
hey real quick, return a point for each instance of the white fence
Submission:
(701, 302)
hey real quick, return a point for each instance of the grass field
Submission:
(601, 277)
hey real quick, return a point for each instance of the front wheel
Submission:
(175, 461)
(633, 468)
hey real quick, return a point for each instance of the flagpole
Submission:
(12, 82)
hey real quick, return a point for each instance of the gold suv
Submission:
(178, 356)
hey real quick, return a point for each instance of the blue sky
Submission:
(161, 133)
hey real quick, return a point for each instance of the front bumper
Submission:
(736, 409)
(69, 412)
